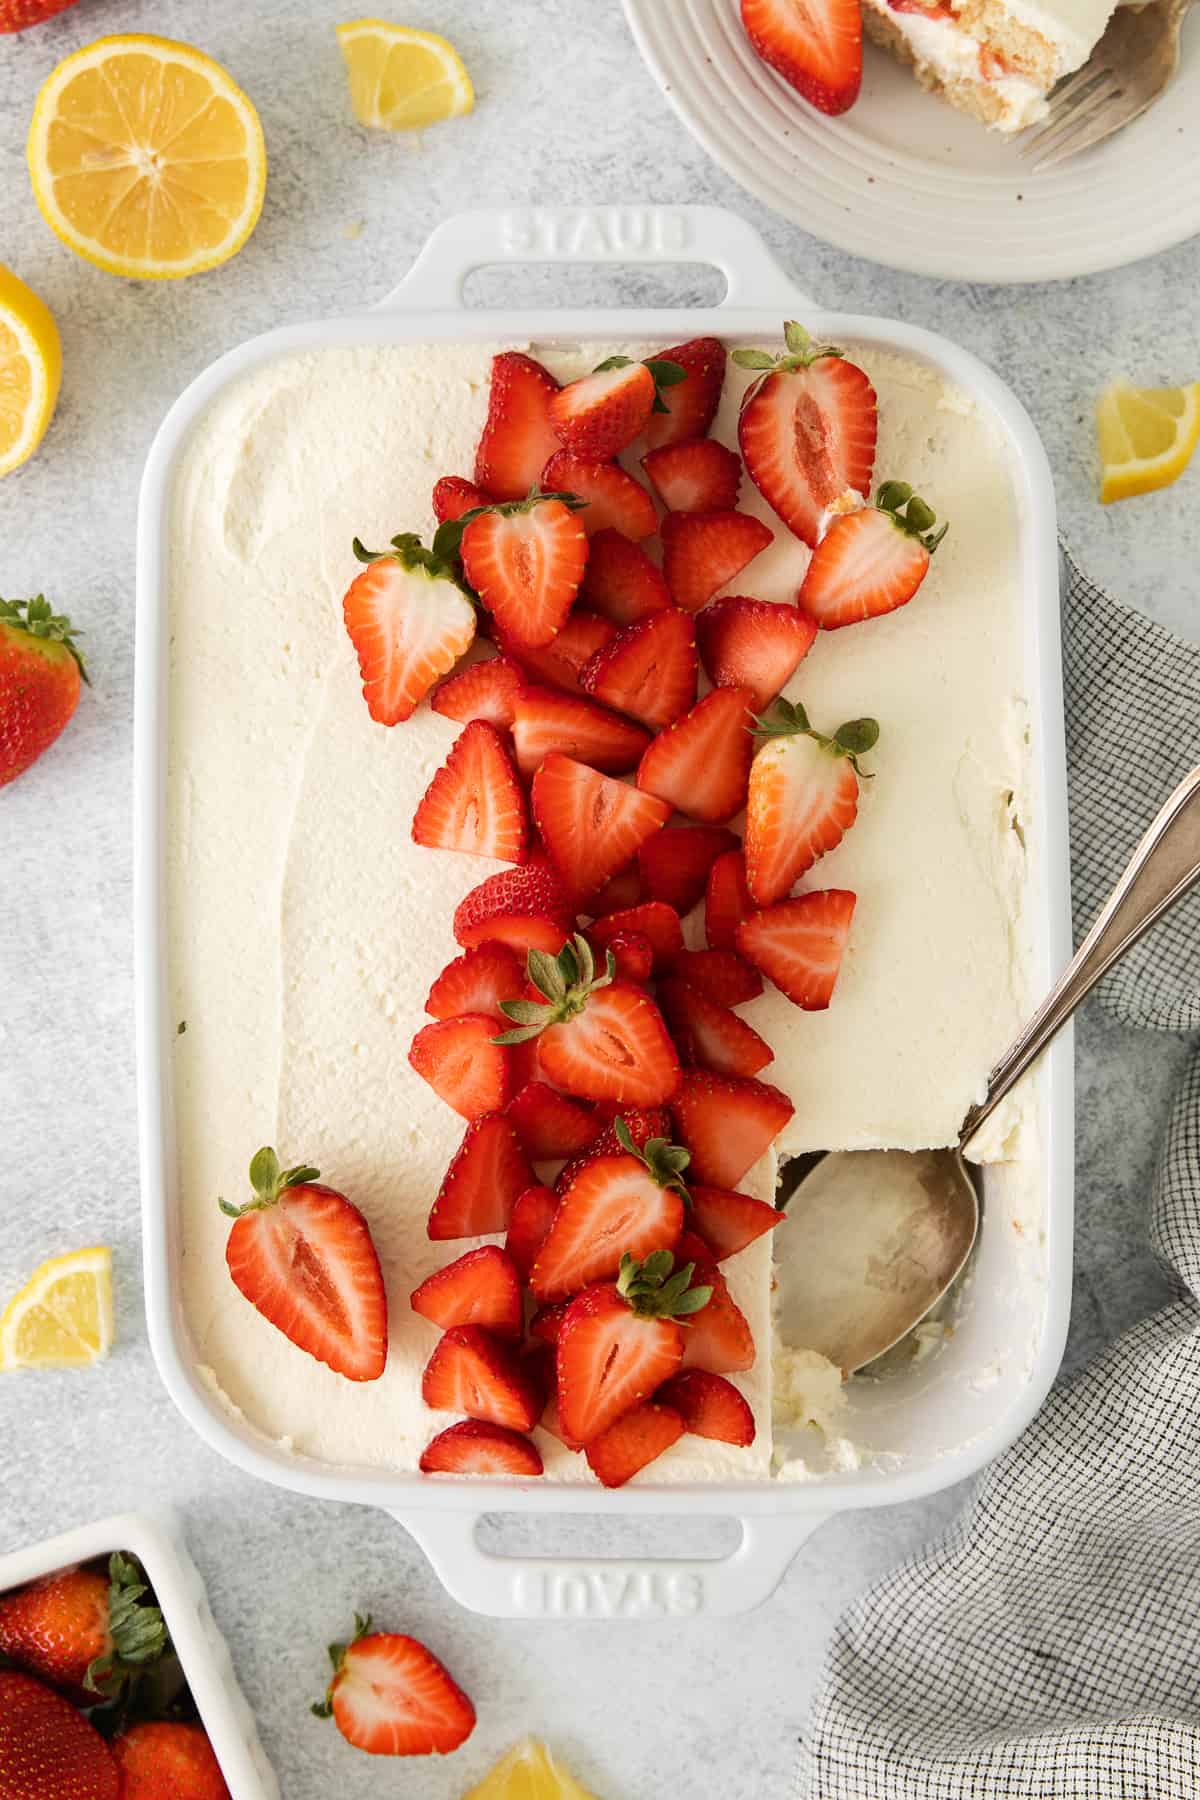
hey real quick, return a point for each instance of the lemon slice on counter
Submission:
(30, 370)
(1147, 436)
(529, 1773)
(401, 80)
(63, 1316)
(146, 158)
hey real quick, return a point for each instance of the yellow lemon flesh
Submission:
(146, 158)
(1146, 435)
(529, 1772)
(30, 371)
(63, 1316)
(401, 80)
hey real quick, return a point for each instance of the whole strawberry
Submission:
(163, 1761)
(18, 15)
(86, 1632)
(47, 1749)
(40, 668)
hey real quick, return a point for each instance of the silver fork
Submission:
(1132, 64)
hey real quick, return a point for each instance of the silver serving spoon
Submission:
(874, 1238)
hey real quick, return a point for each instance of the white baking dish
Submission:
(945, 1419)
(158, 1545)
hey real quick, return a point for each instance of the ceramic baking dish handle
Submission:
(508, 1587)
(596, 234)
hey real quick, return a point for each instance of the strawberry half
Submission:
(487, 690)
(472, 1372)
(532, 1217)
(676, 864)
(477, 982)
(454, 495)
(632, 954)
(598, 415)
(728, 1221)
(546, 720)
(547, 1322)
(462, 1064)
(481, 1187)
(519, 435)
(816, 47)
(708, 1036)
(631, 1202)
(807, 428)
(526, 908)
(719, 1339)
(614, 501)
(474, 1448)
(802, 799)
(559, 663)
(702, 551)
(709, 1406)
(549, 1124)
(699, 475)
(701, 763)
(303, 1257)
(590, 824)
(620, 582)
(653, 920)
(727, 901)
(799, 944)
(649, 670)
(727, 1123)
(753, 644)
(871, 561)
(691, 405)
(720, 974)
(474, 803)
(481, 1287)
(390, 1696)
(633, 1441)
(525, 560)
(409, 622)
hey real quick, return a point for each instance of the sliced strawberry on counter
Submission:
(802, 798)
(487, 690)
(633, 1441)
(702, 551)
(677, 863)
(518, 436)
(727, 1123)
(728, 1221)
(808, 426)
(708, 1036)
(547, 720)
(798, 944)
(753, 644)
(481, 1187)
(532, 1217)
(390, 1696)
(620, 582)
(475, 803)
(474, 1448)
(549, 1124)
(727, 901)
(303, 1257)
(709, 1406)
(631, 1202)
(590, 824)
(409, 622)
(615, 501)
(481, 1287)
(462, 1065)
(649, 670)
(525, 560)
(454, 495)
(619, 891)
(526, 908)
(719, 1339)
(598, 415)
(653, 920)
(632, 954)
(871, 561)
(816, 47)
(472, 1372)
(691, 405)
(720, 974)
(559, 664)
(701, 763)
(698, 475)
(547, 1322)
(477, 982)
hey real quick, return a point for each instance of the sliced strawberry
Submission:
(390, 1696)
(550, 1124)
(698, 475)
(720, 974)
(474, 1448)
(547, 720)
(807, 428)
(525, 907)
(615, 501)
(590, 824)
(798, 944)
(728, 1221)
(302, 1255)
(480, 1188)
(600, 413)
(701, 763)
(653, 920)
(632, 1203)
(474, 803)
(472, 1372)
(620, 582)
(727, 1124)
(481, 1287)
(462, 1065)
(702, 551)
(525, 560)
(619, 891)
(639, 1124)
(649, 670)
(690, 406)
(871, 561)
(632, 954)
(675, 865)
(633, 1441)
(409, 622)
(708, 1036)
(454, 495)
(518, 436)
(532, 1217)
(547, 1322)
(558, 664)
(477, 982)
(620, 1341)
(753, 644)
(487, 690)
(802, 799)
(719, 1338)
(727, 900)
(709, 1406)
(816, 47)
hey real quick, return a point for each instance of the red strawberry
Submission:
(653, 920)
(871, 561)
(590, 824)
(798, 944)
(84, 1631)
(709, 1406)
(727, 901)
(641, 1123)
(550, 1124)
(547, 1322)
(631, 1202)
(808, 426)
(481, 1287)
(600, 413)
(558, 664)
(454, 495)
(303, 1257)
(481, 1186)
(390, 1696)
(803, 797)
(167, 1760)
(477, 982)
(816, 48)
(474, 1448)
(524, 907)
(615, 501)
(462, 1065)
(620, 582)
(472, 1372)
(753, 644)
(691, 405)
(532, 1217)
(727, 1123)
(518, 436)
(701, 763)
(632, 954)
(719, 1339)
(649, 670)
(702, 551)
(474, 803)
(487, 690)
(40, 673)
(409, 622)
(48, 1751)
(728, 1221)
(620, 1341)
(698, 475)
(19, 15)
(546, 721)
(525, 560)
(619, 891)
(598, 1040)
(632, 1441)
(719, 974)
(709, 1036)
(675, 865)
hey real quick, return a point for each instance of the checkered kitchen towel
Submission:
(1049, 1645)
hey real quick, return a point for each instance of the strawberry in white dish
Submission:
(486, 690)
(481, 1187)
(558, 664)
(649, 670)
(872, 560)
(409, 621)
(704, 550)
(545, 720)
(639, 1437)
(799, 944)
(710, 1406)
(753, 644)
(601, 413)
(803, 796)
(481, 1287)
(591, 824)
(471, 1371)
(474, 803)
(613, 500)
(629, 1203)
(620, 581)
(525, 560)
(698, 475)
(701, 763)
(691, 406)
(475, 1448)
(519, 435)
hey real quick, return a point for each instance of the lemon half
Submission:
(401, 80)
(1146, 435)
(63, 1316)
(30, 370)
(529, 1772)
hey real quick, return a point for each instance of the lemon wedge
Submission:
(401, 80)
(30, 370)
(529, 1772)
(1147, 436)
(146, 158)
(63, 1316)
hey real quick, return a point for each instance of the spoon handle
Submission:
(1161, 870)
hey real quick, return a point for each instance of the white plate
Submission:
(906, 180)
